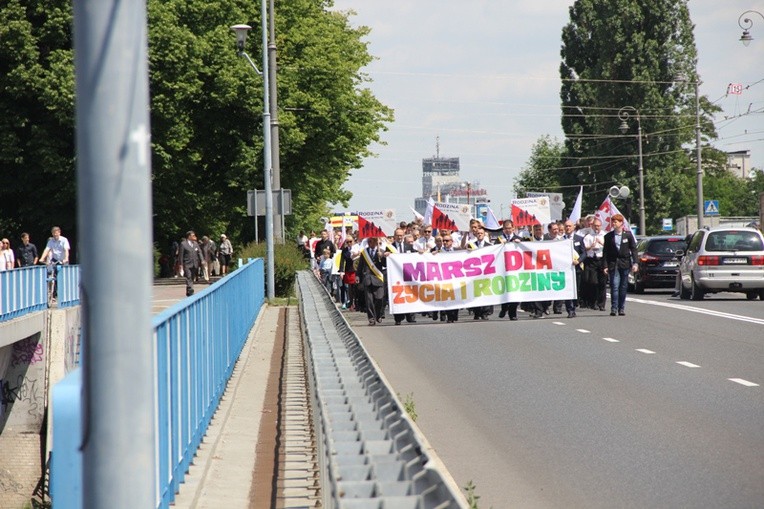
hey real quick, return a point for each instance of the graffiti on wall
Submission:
(27, 351)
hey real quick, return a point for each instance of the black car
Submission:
(658, 262)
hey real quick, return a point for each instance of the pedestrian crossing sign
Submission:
(711, 208)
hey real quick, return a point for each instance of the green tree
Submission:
(206, 114)
(619, 53)
(542, 171)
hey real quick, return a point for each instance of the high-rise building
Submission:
(441, 181)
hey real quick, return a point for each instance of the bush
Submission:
(288, 259)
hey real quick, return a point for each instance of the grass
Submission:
(408, 405)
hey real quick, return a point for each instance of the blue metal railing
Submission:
(198, 341)
(68, 281)
(22, 291)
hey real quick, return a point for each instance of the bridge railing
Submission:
(68, 281)
(22, 291)
(198, 342)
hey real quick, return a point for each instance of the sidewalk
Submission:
(235, 464)
(222, 470)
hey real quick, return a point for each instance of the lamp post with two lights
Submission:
(241, 39)
(625, 114)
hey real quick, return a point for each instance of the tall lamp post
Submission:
(241, 39)
(698, 153)
(746, 24)
(625, 114)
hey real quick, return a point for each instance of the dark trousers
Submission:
(595, 282)
(510, 309)
(375, 301)
(190, 273)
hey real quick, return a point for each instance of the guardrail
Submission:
(68, 281)
(22, 291)
(371, 455)
(198, 342)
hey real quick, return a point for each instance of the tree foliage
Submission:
(636, 58)
(206, 114)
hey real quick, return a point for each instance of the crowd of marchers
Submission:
(600, 259)
(194, 260)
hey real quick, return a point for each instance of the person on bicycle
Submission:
(57, 248)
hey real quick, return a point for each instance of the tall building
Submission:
(442, 182)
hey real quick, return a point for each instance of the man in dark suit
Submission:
(578, 257)
(190, 259)
(401, 246)
(371, 271)
(620, 252)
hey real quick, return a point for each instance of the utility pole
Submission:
(278, 218)
(113, 144)
(698, 155)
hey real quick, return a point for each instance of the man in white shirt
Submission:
(594, 277)
(57, 248)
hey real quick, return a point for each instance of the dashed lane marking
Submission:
(743, 382)
(612, 340)
(645, 350)
(583, 331)
(687, 364)
(558, 323)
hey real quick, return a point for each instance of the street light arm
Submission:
(251, 62)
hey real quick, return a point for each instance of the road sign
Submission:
(711, 208)
(668, 224)
(282, 202)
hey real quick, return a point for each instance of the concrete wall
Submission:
(38, 351)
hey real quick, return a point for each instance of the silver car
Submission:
(723, 260)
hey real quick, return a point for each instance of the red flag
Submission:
(442, 221)
(523, 218)
(368, 229)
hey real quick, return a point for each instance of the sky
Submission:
(483, 77)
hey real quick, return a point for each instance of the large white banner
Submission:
(511, 272)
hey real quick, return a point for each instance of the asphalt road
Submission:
(661, 408)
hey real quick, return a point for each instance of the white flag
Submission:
(428, 212)
(490, 220)
(575, 214)
(417, 215)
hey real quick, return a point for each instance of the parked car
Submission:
(658, 262)
(723, 260)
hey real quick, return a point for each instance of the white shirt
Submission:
(594, 244)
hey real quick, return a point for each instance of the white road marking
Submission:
(693, 309)
(558, 323)
(583, 331)
(687, 364)
(645, 350)
(743, 382)
(611, 340)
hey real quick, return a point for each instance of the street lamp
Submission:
(746, 24)
(698, 153)
(624, 114)
(241, 39)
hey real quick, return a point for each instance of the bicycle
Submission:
(52, 279)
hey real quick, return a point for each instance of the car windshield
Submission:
(734, 241)
(666, 246)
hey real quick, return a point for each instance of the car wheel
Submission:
(695, 292)
(752, 295)
(761, 294)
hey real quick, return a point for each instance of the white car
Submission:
(723, 260)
